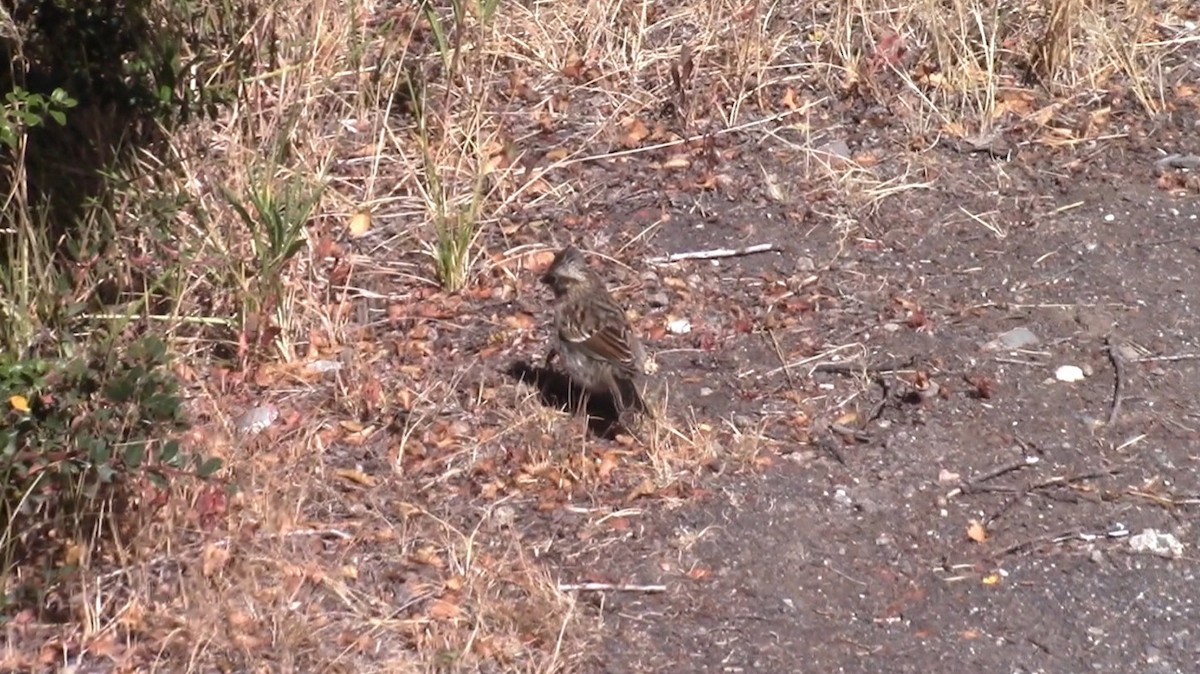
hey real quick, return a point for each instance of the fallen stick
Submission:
(976, 483)
(1118, 363)
(1187, 162)
(1168, 359)
(604, 587)
(714, 253)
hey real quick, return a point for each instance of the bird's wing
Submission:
(601, 331)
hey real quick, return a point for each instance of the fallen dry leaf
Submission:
(635, 132)
(520, 321)
(847, 419)
(574, 66)
(213, 559)
(608, 463)
(428, 555)
(360, 223)
(442, 609)
(677, 161)
(789, 99)
(645, 488)
(976, 531)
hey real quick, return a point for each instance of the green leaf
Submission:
(158, 480)
(169, 454)
(156, 349)
(209, 467)
(98, 451)
(134, 454)
(121, 389)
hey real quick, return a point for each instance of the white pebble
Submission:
(1069, 373)
(679, 326)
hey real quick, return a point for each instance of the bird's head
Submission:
(567, 271)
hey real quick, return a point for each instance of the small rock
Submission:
(679, 326)
(658, 299)
(1069, 373)
(805, 263)
(837, 149)
(323, 366)
(744, 420)
(1017, 338)
(504, 516)
(948, 477)
(256, 419)
(1126, 352)
(1151, 541)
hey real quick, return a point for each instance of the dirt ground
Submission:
(868, 459)
(949, 420)
(986, 524)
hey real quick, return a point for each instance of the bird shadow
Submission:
(556, 390)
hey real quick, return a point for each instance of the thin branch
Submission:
(974, 483)
(714, 253)
(1119, 385)
(1168, 359)
(604, 587)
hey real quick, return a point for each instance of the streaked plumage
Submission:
(599, 348)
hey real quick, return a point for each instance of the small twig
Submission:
(830, 445)
(856, 367)
(782, 359)
(803, 361)
(335, 533)
(973, 484)
(1168, 359)
(197, 320)
(1119, 385)
(846, 431)
(848, 577)
(877, 411)
(1061, 481)
(1004, 470)
(1187, 162)
(1017, 361)
(681, 141)
(605, 587)
(1163, 500)
(1167, 242)
(713, 254)
(1031, 542)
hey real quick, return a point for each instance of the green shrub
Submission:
(78, 438)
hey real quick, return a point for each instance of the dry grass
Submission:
(373, 526)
